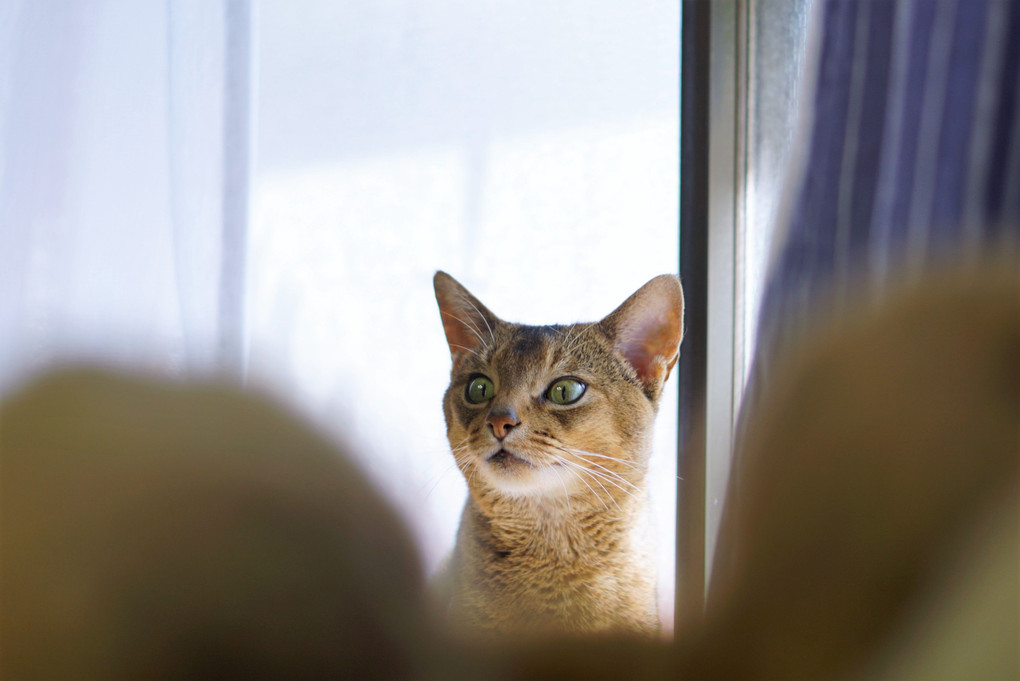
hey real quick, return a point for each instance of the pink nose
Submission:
(501, 422)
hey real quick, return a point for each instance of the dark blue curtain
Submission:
(912, 163)
(913, 159)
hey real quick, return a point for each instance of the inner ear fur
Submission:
(468, 324)
(647, 329)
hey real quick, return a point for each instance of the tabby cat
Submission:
(551, 427)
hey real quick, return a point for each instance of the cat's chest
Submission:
(591, 587)
(581, 573)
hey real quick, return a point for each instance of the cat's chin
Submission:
(515, 475)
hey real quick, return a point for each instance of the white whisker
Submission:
(613, 474)
(579, 469)
(469, 325)
(566, 492)
(608, 473)
(574, 340)
(439, 479)
(473, 352)
(596, 475)
(484, 320)
(609, 476)
(605, 456)
(458, 460)
(567, 338)
(573, 469)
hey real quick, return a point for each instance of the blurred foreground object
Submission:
(159, 531)
(876, 510)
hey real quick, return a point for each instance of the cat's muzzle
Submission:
(505, 458)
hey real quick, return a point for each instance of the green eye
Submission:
(479, 389)
(565, 391)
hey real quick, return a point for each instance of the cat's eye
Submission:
(479, 389)
(565, 391)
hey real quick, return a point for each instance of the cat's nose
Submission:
(502, 421)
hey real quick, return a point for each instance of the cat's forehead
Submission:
(522, 350)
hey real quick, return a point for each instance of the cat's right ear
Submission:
(647, 328)
(467, 323)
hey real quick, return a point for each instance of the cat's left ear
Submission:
(468, 324)
(647, 328)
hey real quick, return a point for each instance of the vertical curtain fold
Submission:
(237, 173)
(197, 102)
(926, 169)
(124, 153)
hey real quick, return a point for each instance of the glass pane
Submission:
(527, 148)
(777, 53)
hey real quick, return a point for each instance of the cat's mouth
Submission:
(505, 458)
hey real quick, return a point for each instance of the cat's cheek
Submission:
(591, 427)
(576, 418)
(459, 415)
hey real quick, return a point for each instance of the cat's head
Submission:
(559, 411)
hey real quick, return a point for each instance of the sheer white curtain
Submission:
(120, 191)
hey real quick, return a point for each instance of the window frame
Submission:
(733, 134)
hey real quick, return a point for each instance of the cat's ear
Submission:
(467, 323)
(647, 328)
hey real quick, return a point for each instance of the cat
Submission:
(551, 427)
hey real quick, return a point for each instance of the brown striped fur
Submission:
(551, 534)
